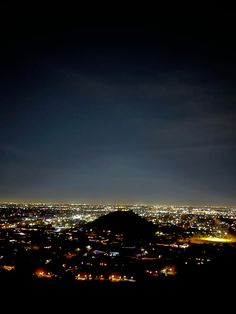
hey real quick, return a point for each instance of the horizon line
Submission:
(127, 203)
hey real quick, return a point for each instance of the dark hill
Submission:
(125, 222)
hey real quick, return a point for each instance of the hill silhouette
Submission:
(127, 223)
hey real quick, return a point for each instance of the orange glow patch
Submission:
(42, 273)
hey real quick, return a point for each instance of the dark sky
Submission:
(136, 112)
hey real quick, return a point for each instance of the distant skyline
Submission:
(118, 113)
(119, 203)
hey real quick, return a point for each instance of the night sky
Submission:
(96, 112)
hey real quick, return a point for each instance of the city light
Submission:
(222, 240)
(87, 244)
